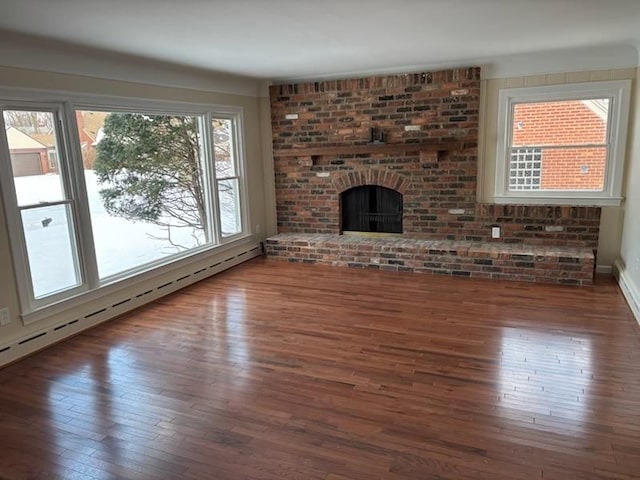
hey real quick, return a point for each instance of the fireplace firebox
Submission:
(371, 208)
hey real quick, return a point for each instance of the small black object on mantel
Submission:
(376, 135)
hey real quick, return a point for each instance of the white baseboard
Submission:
(630, 291)
(39, 339)
(604, 269)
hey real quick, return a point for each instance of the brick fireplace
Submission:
(326, 148)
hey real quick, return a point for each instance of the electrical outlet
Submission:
(495, 232)
(5, 318)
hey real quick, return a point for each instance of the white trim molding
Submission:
(135, 295)
(630, 291)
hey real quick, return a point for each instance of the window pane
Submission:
(571, 122)
(579, 168)
(144, 182)
(573, 168)
(229, 200)
(223, 148)
(49, 238)
(31, 136)
(525, 169)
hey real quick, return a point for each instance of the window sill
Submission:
(581, 201)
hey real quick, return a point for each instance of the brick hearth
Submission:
(532, 263)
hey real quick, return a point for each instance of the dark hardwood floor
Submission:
(289, 371)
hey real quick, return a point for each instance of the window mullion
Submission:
(210, 160)
(240, 171)
(205, 147)
(565, 146)
(45, 204)
(78, 189)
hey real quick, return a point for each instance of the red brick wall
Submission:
(563, 123)
(551, 225)
(438, 106)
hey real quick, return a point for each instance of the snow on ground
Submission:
(120, 244)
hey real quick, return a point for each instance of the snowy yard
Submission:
(120, 244)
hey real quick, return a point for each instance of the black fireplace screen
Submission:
(371, 208)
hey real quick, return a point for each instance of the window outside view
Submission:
(145, 185)
(43, 202)
(559, 145)
(227, 177)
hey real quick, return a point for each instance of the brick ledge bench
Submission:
(523, 262)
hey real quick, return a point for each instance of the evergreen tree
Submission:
(149, 167)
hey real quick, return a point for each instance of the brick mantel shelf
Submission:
(371, 148)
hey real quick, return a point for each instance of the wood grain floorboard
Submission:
(286, 371)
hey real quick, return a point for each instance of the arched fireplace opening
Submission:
(371, 209)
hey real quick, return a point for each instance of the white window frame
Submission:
(618, 91)
(70, 158)
(13, 211)
(240, 172)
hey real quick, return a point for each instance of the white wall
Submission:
(629, 264)
(35, 53)
(271, 223)
(611, 219)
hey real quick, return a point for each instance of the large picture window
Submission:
(96, 193)
(562, 144)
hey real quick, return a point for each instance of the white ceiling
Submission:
(289, 39)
